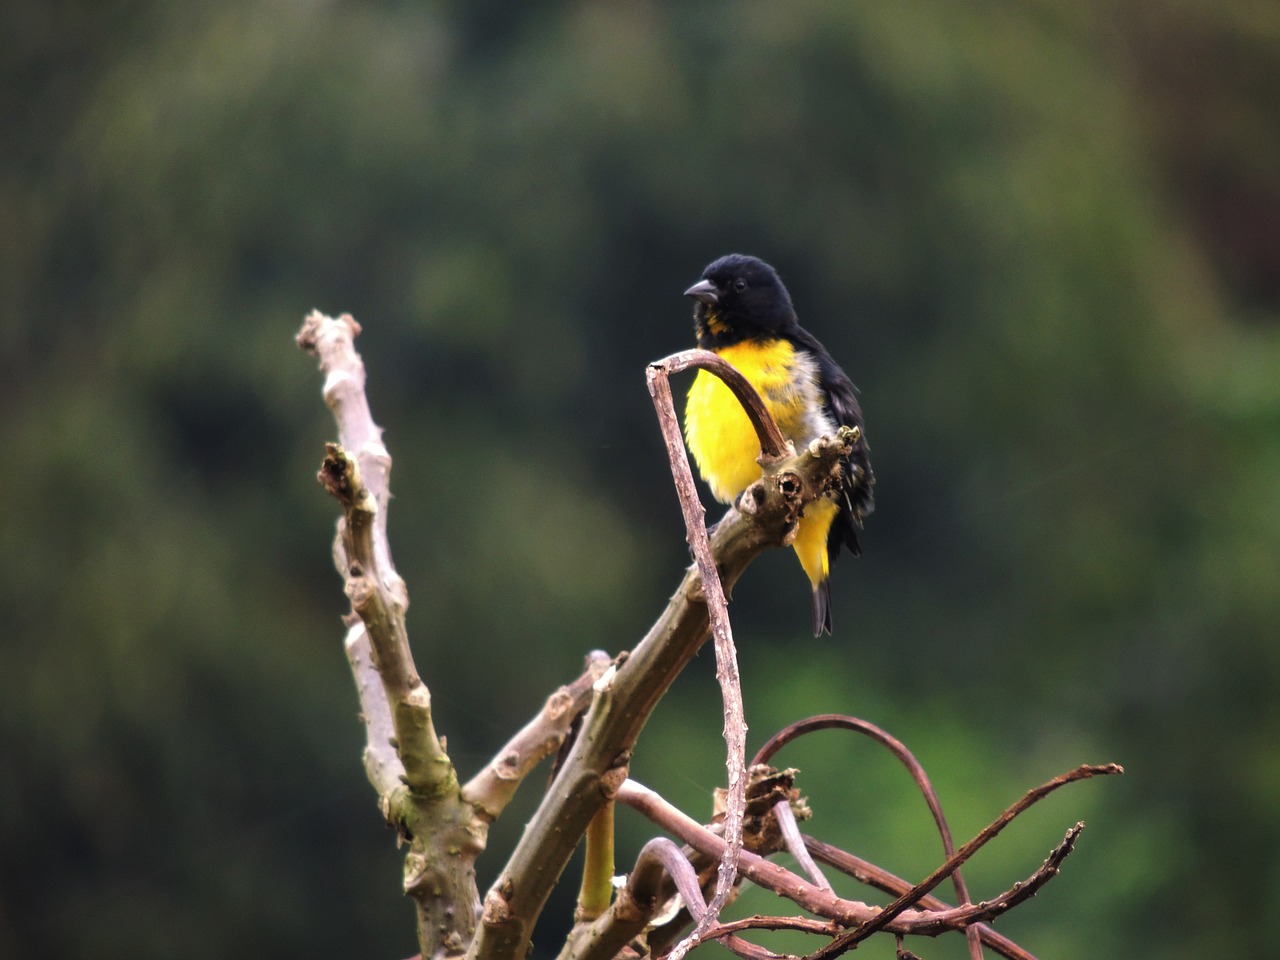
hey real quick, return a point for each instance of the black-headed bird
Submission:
(744, 314)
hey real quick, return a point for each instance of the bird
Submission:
(743, 313)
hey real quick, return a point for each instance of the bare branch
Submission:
(1023, 890)
(686, 881)
(428, 769)
(492, 788)
(850, 939)
(873, 876)
(661, 870)
(829, 721)
(446, 825)
(381, 762)
(597, 763)
(681, 872)
(749, 951)
(852, 913)
(357, 473)
(760, 871)
(735, 727)
(828, 928)
(761, 833)
(332, 341)
(418, 786)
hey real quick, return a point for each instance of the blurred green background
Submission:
(1044, 238)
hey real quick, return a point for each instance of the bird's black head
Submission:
(740, 298)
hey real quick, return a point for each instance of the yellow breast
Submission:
(720, 436)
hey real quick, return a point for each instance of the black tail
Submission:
(822, 608)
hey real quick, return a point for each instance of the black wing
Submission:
(856, 496)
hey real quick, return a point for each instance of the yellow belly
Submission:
(724, 444)
(719, 435)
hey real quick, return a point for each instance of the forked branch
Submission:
(418, 787)
(829, 721)
(902, 917)
(623, 700)
(445, 824)
(490, 790)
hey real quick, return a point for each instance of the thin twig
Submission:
(773, 445)
(847, 941)
(1021, 891)
(895, 746)
(681, 872)
(747, 950)
(873, 876)
(735, 727)
(760, 871)
(726, 933)
(762, 833)
(827, 928)
(686, 881)
(756, 868)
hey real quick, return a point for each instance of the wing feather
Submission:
(857, 497)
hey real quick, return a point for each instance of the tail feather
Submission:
(822, 608)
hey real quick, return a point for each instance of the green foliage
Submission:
(1040, 237)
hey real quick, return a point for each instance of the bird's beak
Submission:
(704, 291)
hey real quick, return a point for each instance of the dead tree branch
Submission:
(1022, 890)
(856, 915)
(848, 940)
(490, 790)
(424, 805)
(828, 928)
(445, 824)
(735, 726)
(638, 901)
(829, 721)
(381, 760)
(873, 876)
(600, 755)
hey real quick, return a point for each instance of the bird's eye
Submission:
(739, 284)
